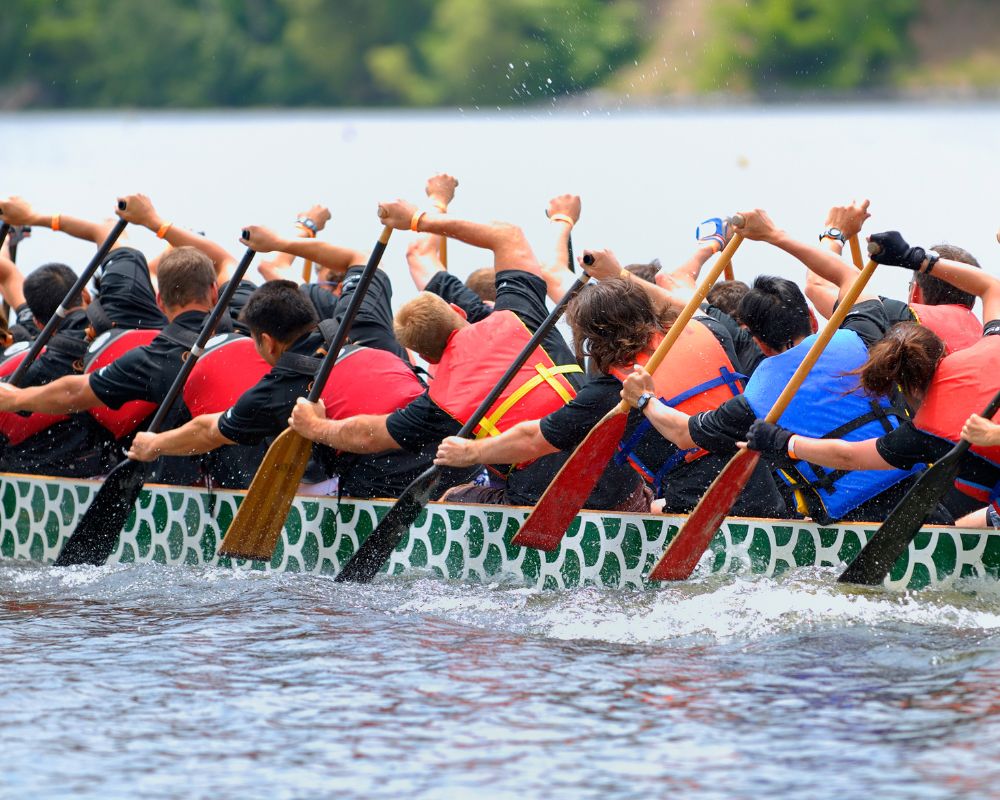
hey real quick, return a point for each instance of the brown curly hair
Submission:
(612, 322)
(906, 357)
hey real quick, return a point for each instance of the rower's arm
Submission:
(333, 257)
(521, 443)
(974, 281)
(199, 435)
(18, 211)
(365, 433)
(564, 211)
(605, 266)
(671, 423)
(838, 454)
(64, 396)
(11, 283)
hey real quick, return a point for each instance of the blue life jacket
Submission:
(830, 404)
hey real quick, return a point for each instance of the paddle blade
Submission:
(892, 538)
(97, 532)
(569, 490)
(682, 554)
(376, 549)
(257, 525)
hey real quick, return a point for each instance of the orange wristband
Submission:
(55, 222)
(415, 220)
(163, 230)
(563, 218)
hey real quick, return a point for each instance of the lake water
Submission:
(146, 681)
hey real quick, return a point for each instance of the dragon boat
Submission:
(181, 525)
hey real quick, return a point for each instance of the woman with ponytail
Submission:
(942, 388)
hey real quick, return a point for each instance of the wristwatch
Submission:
(643, 401)
(833, 233)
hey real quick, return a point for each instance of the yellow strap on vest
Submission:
(487, 425)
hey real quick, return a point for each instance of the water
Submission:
(176, 683)
(173, 683)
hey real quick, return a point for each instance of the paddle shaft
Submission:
(68, 301)
(340, 338)
(207, 331)
(856, 257)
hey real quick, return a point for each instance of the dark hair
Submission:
(906, 357)
(185, 275)
(646, 272)
(45, 288)
(775, 311)
(279, 309)
(726, 296)
(483, 282)
(612, 322)
(936, 292)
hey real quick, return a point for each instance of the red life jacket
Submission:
(964, 383)
(105, 349)
(956, 325)
(475, 359)
(696, 375)
(15, 427)
(229, 366)
(367, 380)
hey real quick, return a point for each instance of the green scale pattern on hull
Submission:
(178, 526)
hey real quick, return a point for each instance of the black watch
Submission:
(643, 401)
(833, 233)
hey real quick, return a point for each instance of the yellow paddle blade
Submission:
(255, 529)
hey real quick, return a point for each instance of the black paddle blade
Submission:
(895, 534)
(376, 549)
(97, 532)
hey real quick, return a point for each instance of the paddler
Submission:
(944, 388)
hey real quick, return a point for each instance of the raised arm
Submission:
(564, 211)
(842, 222)
(139, 210)
(604, 265)
(18, 211)
(507, 242)
(759, 227)
(894, 251)
(308, 225)
(333, 257)
(11, 282)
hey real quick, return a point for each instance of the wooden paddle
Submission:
(894, 535)
(569, 490)
(258, 522)
(377, 548)
(684, 551)
(69, 300)
(98, 530)
(856, 252)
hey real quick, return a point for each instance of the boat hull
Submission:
(183, 526)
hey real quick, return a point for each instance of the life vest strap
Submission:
(488, 425)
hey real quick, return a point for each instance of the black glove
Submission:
(894, 251)
(769, 439)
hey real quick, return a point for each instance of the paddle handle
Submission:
(60, 313)
(856, 257)
(333, 353)
(701, 292)
(838, 316)
(543, 330)
(207, 331)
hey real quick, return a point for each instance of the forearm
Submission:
(365, 433)
(523, 442)
(333, 257)
(200, 435)
(671, 424)
(180, 237)
(11, 283)
(423, 265)
(974, 281)
(64, 396)
(838, 454)
(95, 232)
(508, 243)
(821, 262)
(688, 272)
(821, 293)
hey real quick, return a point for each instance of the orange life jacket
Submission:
(229, 366)
(696, 375)
(15, 427)
(956, 325)
(475, 359)
(106, 348)
(964, 383)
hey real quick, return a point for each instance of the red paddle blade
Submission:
(682, 554)
(569, 490)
